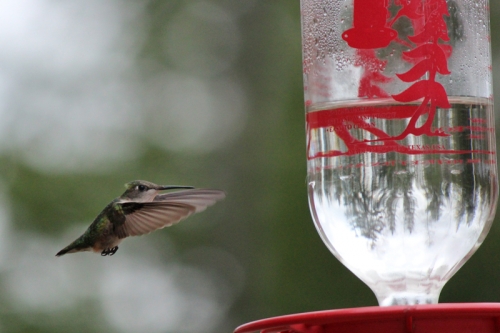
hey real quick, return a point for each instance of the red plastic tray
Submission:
(442, 318)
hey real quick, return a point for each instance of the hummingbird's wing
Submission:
(199, 198)
(167, 209)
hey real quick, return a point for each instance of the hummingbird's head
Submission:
(144, 191)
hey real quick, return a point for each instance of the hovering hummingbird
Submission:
(138, 211)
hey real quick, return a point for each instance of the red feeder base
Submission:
(434, 318)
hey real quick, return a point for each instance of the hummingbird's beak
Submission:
(173, 187)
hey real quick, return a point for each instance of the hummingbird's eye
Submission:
(141, 188)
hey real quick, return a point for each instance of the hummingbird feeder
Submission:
(401, 157)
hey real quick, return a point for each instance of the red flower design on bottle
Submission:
(428, 54)
(429, 57)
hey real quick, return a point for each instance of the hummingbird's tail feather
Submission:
(77, 246)
(62, 252)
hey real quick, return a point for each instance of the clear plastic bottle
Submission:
(400, 138)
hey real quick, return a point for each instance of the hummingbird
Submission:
(140, 210)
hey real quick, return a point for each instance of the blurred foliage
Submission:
(280, 265)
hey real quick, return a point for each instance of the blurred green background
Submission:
(96, 93)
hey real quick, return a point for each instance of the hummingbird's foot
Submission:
(109, 252)
(113, 250)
